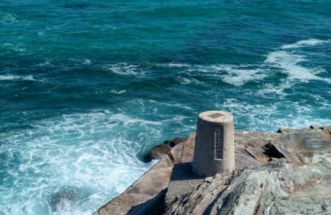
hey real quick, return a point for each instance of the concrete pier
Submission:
(214, 149)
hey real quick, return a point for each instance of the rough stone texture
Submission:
(284, 189)
(299, 184)
(301, 145)
(252, 148)
(161, 150)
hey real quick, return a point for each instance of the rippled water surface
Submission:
(86, 87)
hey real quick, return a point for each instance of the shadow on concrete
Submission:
(183, 171)
(154, 206)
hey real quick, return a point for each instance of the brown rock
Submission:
(162, 150)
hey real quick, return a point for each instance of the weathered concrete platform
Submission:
(249, 152)
(170, 182)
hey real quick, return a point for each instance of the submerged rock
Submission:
(64, 198)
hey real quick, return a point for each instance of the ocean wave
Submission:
(17, 48)
(237, 75)
(289, 63)
(189, 80)
(118, 92)
(304, 43)
(17, 78)
(274, 89)
(281, 59)
(123, 69)
(279, 114)
(240, 76)
(88, 155)
(8, 18)
(173, 65)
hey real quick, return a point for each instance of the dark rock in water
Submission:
(64, 196)
(163, 150)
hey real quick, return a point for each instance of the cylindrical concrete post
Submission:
(214, 146)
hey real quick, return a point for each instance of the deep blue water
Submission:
(86, 87)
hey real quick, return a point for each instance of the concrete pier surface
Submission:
(284, 172)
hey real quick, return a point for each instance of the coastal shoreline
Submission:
(170, 187)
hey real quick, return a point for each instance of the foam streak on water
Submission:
(305, 43)
(16, 77)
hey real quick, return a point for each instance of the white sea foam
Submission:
(118, 92)
(304, 43)
(94, 156)
(173, 65)
(87, 61)
(45, 63)
(240, 76)
(272, 89)
(178, 65)
(293, 63)
(189, 80)
(123, 69)
(289, 63)
(17, 78)
(237, 75)
(279, 114)
(89, 155)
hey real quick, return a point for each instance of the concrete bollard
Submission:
(214, 146)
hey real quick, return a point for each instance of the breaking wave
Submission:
(304, 43)
(281, 60)
(70, 165)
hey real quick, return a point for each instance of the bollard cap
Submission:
(216, 116)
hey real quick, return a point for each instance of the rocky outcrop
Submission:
(284, 189)
(298, 184)
(287, 172)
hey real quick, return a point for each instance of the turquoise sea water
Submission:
(86, 87)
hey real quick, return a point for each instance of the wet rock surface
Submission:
(287, 172)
